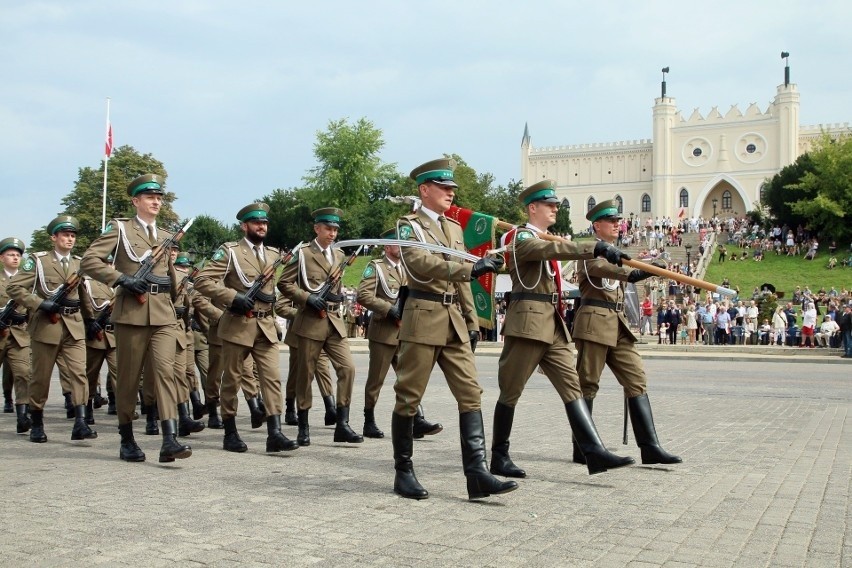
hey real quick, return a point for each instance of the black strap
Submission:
(546, 298)
(444, 299)
(617, 306)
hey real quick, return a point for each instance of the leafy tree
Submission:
(778, 191)
(85, 201)
(502, 202)
(473, 187)
(290, 218)
(206, 234)
(563, 222)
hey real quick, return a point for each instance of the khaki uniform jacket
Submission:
(181, 299)
(424, 321)
(220, 281)
(208, 316)
(378, 291)
(600, 280)
(35, 282)
(108, 257)
(94, 299)
(17, 332)
(285, 308)
(308, 271)
(531, 274)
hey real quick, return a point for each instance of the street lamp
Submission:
(715, 202)
(688, 248)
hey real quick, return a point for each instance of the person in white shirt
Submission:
(809, 319)
(828, 328)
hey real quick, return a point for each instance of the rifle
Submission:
(148, 263)
(334, 277)
(64, 289)
(267, 274)
(103, 319)
(399, 304)
(188, 278)
(6, 317)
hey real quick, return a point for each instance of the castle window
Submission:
(726, 200)
(646, 203)
(590, 204)
(684, 197)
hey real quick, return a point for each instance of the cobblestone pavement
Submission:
(767, 451)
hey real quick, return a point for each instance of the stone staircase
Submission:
(678, 254)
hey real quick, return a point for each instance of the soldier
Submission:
(318, 324)
(14, 339)
(96, 305)
(603, 337)
(439, 325)
(207, 315)
(184, 342)
(378, 291)
(247, 327)
(56, 328)
(535, 328)
(143, 315)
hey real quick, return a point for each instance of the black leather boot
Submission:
(37, 434)
(405, 482)
(81, 430)
(598, 458)
(151, 419)
(90, 411)
(290, 418)
(171, 448)
(480, 483)
(260, 405)
(213, 420)
(129, 451)
(423, 427)
(111, 409)
(232, 441)
(8, 407)
(257, 415)
(371, 430)
(198, 409)
(578, 453)
(330, 410)
(69, 406)
(276, 441)
(187, 425)
(646, 434)
(303, 438)
(98, 400)
(501, 463)
(24, 422)
(343, 432)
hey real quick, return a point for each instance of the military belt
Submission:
(260, 314)
(617, 306)
(329, 307)
(445, 299)
(17, 319)
(69, 311)
(546, 298)
(109, 327)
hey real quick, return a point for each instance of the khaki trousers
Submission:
(235, 359)
(322, 375)
(95, 359)
(307, 358)
(151, 348)
(16, 363)
(382, 357)
(521, 356)
(70, 356)
(623, 360)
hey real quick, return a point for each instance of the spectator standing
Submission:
(809, 319)
(647, 309)
(691, 325)
(845, 323)
(779, 325)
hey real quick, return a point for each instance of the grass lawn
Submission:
(783, 272)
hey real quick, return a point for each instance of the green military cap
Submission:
(541, 191)
(148, 183)
(603, 210)
(389, 234)
(437, 171)
(12, 243)
(183, 259)
(63, 223)
(328, 215)
(257, 211)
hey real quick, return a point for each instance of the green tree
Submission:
(473, 187)
(206, 234)
(779, 192)
(502, 202)
(290, 218)
(85, 201)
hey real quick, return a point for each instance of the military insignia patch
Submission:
(524, 235)
(28, 265)
(404, 232)
(219, 254)
(107, 229)
(369, 271)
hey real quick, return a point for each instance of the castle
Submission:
(695, 166)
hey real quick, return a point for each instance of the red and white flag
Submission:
(108, 147)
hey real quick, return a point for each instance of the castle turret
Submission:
(786, 108)
(525, 155)
(665, 114)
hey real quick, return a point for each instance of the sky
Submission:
(230, 95)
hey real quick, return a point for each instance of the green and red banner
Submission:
(479, 237)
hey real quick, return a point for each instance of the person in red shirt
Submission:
(646, 311)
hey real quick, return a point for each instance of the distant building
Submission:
(691, 166)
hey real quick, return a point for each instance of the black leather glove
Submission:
(335, 298)
(317, 303)
(93, 328)
(241, 305)
(486, 265)
(474, 339)
(394, 313)
(132, 284)
(639, 275)
(50, 307)
(194, 326)
(612, 254)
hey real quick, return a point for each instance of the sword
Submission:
(413, 244)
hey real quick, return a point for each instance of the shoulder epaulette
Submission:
(40, 254)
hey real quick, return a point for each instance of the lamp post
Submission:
(688, 248)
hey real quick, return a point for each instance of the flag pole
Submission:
(107, 152)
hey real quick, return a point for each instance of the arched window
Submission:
(646, 203)
(590, 204)
(726, 200)
(684, 197)
(620, 204)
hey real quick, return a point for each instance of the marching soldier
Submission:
(379, 291)
(603, 337)
(247, 327)
(439, 325)
(143, 315)
(535, 329)
(184, 342)
(96, 306)
(56, 327)
(318, 324)
(208, 316)
(14, 338)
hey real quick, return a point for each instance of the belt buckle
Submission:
(69, 311)
(619, 306)
(109, 327)
(447, 299)
(554, 298)
(154, 289)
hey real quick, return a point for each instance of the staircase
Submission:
(678, 254)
